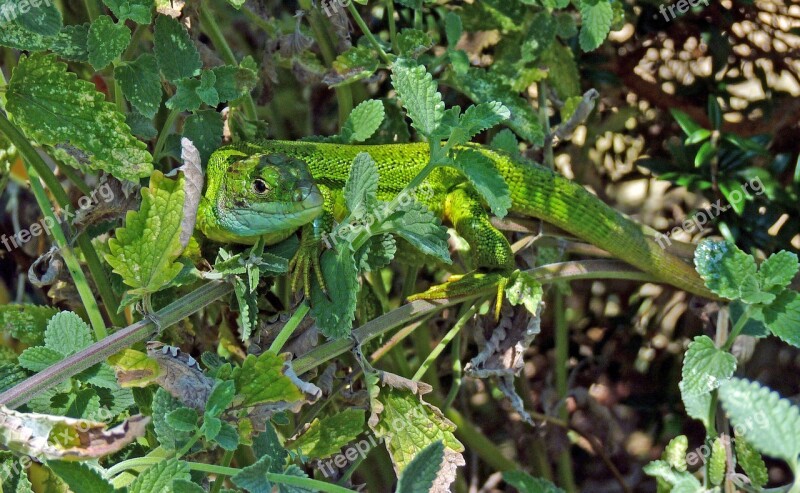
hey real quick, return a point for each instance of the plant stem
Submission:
(92, 10)
(213, 31)
(35, 161)
(162, 136)
(737, 329)
(99, 351)
(364, 29)
(226, 461)
(392, 25)
(73, 265)
(460, 323)
(288, 329)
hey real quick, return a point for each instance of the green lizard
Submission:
(273, 188)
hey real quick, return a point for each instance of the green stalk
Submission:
(392, 25)
(565, 468)
(162, 136)
(737, 329)
(288, 329)
(226, 461)
(213, 31)
(460, 323)
(364, 29)
(99, 351)
(34, 160)
(92, 9)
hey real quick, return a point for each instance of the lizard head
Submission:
(265, 193)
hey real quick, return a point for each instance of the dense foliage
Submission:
(139, 355)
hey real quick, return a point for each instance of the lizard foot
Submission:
(304, 261)
(474, 283)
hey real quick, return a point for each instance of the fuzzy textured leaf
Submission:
(261, 379)
(705, 367)
(176, 54)
(325, 437)
(419, 95)
(141, 84)
(596, 19)
(106, 41)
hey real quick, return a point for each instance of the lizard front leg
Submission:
(312, 237)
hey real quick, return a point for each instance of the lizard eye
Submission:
(260, 186)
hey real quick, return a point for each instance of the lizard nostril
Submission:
(298, 195)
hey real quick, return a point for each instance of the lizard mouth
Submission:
(270, 217)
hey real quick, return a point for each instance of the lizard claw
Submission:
(304, 261)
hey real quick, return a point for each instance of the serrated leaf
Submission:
(723, 267)
(211, 427)
(42, 18)
(525, 483)
(20, 30)
(662, 470)
(361, 188)
(716, 463)
(10, 375)
(184, 486)
(227, 437)
(67, 333)
(482, 174)
(480, 85)
(421, 228)
(204, 129)
(38, 358)
(675, 452)
(72, 43)
(408, 425)
(254, 478)
(248, 307)
(26, 323)
(769, 423)
(417, 91)
(751, 462)
(139, 11)
(411, 43)
(325, 437)
(782, 317)
(778, 270)
(476, 119)
(183, 419)
(376, 253)
(595, 23)
(220, 398)
(335, 313)
(168, 437)
(176, 54)
(267, 443)
(233, 82)
(524, 289)
(141, 84)
(261, 380)
(363, 121)
(420, 473)
(705, 367)
(158, 478)
(144, 251)
(107, 40)
(354, 64)
(53, 107)
(80, 477)
(186, 97)
(134, 368)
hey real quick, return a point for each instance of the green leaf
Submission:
(38, 358)
(52, 106)
(410, 425)
(704, 154)
(361, 188)
(72, 43)
(227, 437)
(261, 380)
(211, 427)
(248, 307)
(421, 228)
(107, 40)
(714, 112)
(42, 17)
(686, 123)
(782, 317)
(26, 323)
(363, 121)
(144, 251)
(705, 367)
(80, 478)
(183, 419)
(267, 443)
(204, 129)
(376, 253)
(480, 171)
(417, 90)
(254, 478)
(356, 63)
(698, 136)
(595, 23)
(168, 437)
(480, 85)
(420, 473)
(769, 423)
(716, 463)
(723, 267)
(184, 486)
(10, 375)
(524, 289)
(476, 119)
(411, 43)
(207, 92)
(221, 397)
(675, 452)
(453, 28)
(662, 470)
(233, 82)
(139, 11)
(158, 478)
(751, 462)
(141, 84)
(335, 313)
(176, 54)
(186, 97)
(325, 437)
(778, 270)
(525, 483)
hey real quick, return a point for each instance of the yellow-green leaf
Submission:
(262, 379)
(327, 436)
(52, 106)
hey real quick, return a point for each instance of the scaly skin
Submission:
(536, 192)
